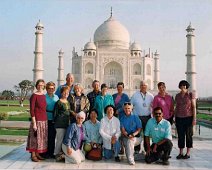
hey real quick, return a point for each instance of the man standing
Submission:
(159, 130)
(69, 83)
(92, 95)
(142, 102)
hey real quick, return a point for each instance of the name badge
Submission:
(144, 104)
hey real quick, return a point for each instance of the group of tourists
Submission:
(69, 126)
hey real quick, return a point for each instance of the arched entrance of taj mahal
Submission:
(113, 73)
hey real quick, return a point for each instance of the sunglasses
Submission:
(127, 103)
(157, 113)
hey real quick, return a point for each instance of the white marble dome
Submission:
(135, 47)
(90, 46)
(112, 33)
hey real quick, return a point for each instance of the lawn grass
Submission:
(17, 132)
(20, 117)
(13, 108)
(204, 116)
(13, 102)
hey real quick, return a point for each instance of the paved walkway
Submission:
(15, 124)
(201, 158)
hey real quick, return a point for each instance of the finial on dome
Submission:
(111, 12)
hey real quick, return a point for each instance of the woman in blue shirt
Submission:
(73, 140)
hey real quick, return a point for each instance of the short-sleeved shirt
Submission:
(50, 105)
(184, 105)
(166, 103)
(158, 131)
(130, 123)
(142, 103)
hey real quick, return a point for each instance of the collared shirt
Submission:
(142, 103)
(166, 103)
(50, 105)
(59, 88)
(74, 136)
(91, 97)
(131, 123)
(92, 132)
(109, 128)
(184, 105)
(101, 102)
(158, 131)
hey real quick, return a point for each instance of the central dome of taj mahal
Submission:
(112, 34)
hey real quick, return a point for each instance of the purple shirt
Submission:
(166, 103)
(184, 105)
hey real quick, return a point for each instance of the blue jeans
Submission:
(108, 153)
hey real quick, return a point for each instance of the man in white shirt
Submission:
(110, 132)
(142, 106)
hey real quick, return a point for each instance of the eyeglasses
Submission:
(50, 88)
(127, 103)
(157, 113)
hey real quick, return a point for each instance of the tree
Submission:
(8, 94)
(24, 88)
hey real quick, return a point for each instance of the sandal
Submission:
(40, 157)
(35, 159)
(186, 156)
(180, 156)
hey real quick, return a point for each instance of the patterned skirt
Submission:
(37, 141)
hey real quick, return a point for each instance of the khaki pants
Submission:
(60, 132)
(129, 145)
(76, 157)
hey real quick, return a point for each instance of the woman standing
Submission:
(102, 100)
(73, 140)
(37, 137)
(61, 121)
(119, 99)
(51, 100)
(78, 102)
(165, 101)
(185, 117)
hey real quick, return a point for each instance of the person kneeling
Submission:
(130, 128)
(159, 130)
(110, 132)
(72, 142)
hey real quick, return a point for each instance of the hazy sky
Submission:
(156, 24)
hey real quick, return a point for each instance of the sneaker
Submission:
(186, 156)
(166, 162)
(117, 159)
(180, 156)
(132, 163)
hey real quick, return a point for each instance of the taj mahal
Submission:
(112, 58)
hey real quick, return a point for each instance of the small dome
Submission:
(90, 46)
(39, 24)
(61, 51)
(190, 28)
(135, 47)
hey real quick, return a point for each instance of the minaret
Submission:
(60, 79)
(38, 61)
(156, 70)
(191, 64)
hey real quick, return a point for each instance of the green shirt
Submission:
(158, 131)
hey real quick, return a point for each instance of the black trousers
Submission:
(163, 152)
(144, 120)
(184, 130)
(51, 138)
